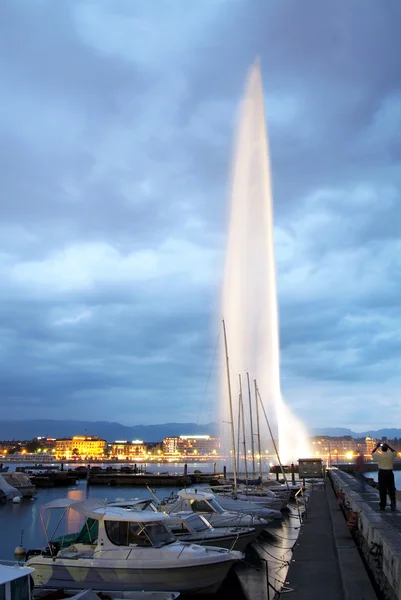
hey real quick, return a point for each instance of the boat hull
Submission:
(60, 573)
(230, 542)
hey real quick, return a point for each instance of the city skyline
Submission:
(117, 124)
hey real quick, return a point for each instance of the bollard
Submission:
(214, 468)
(292, 473)
(225, 472)
(277, 475)
(62, 467)
(185, 470)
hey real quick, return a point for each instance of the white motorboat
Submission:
(7, 491)
(266, 497)
(206, 504)
(244, 504)
(192, 527)
(15, 582)
(133, 551)
(195, 528)
(21, 482)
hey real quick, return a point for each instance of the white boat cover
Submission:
(99, 510)
(11, 572)
(9, 491)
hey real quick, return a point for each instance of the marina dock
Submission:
(347, 548)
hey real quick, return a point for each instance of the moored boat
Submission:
(195, 528)
(21, 482)
(207, 505)
(133, 551)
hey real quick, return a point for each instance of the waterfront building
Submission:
(123, 449)
(370, 444)
(170, 445)
(191, 445)
(81, 446)
(333, 447)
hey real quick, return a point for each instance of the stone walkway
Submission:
(371, 497)
(326, 563)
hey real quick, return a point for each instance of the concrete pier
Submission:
(378, 533)
(326, 562)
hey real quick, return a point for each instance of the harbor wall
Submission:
(378, 534)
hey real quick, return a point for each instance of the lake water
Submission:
(397, 478)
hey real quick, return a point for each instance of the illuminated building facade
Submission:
(170, 445)
(191, 445)
(83, 446)
(124, 449)
(370, 444)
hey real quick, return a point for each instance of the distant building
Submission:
(191, 445)
(82, 446)
(327, 446)
(170, 445)
(370, 444)
(123, 449)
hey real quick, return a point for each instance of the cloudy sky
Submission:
(117, 122)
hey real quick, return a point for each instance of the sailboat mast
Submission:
(251, 423)
(230, 400)
(258, 434)
(239, 426)
(271, 435)
(243, 429)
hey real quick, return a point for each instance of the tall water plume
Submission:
(249, 304)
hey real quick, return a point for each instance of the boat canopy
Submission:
(115, 513)
(59, 503)
(98, 510)
(9, 573)
(195, 495)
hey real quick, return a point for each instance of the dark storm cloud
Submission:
(117, 124)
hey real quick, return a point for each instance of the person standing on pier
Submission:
(385, 458)
(360, 468)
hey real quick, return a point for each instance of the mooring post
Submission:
(225, 472)
(62, 467)
(185, 470)
(292, 473)
(277, 475)
(214, 468)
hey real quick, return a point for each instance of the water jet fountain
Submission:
(249, 304)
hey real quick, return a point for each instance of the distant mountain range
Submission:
(28, 429)
(375, 433)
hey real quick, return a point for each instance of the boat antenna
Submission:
(251, 423)
(243, 429)
(239, 425)
(258, 433)
(271, 435)
(231, 408)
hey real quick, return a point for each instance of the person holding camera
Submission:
(385, 457)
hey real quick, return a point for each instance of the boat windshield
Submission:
(198, 523)
(194, 523)
(206, 506)
(125, 533)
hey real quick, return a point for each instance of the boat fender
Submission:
(20, 550)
